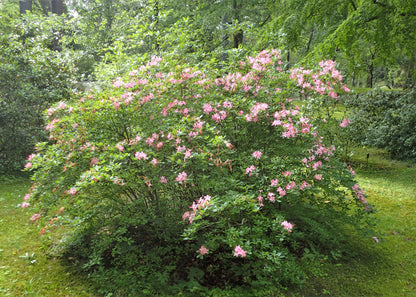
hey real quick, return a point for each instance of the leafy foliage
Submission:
(33, 74)
(385, 120)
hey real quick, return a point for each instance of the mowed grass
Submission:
(25, 268)
(387, 268)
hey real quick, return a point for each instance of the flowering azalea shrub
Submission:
(189, 179)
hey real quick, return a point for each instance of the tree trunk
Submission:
(25, 5)
(237, 36)
(370, 76)
(224, 37)
(57, 6)
(308, 47)
(157, 18)
(410, 75)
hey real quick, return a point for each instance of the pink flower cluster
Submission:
(141, 156)
(239, 252)
(265, 58)
(257, 154)
(344, 123)
(359, 194)
(200, 204)
(253, 116)
(182, 177)
(317, 81)
(284, 119)
(203, 250)
(250, 169)
(72, 191)
(288, 226)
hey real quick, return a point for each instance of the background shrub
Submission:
(385, 120)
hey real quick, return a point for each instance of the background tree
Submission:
(33, 75)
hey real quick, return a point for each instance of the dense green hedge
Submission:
(386, 120)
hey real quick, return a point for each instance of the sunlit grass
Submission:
(25, 269)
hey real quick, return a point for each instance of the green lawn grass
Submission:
(25, 268)
(387, 268)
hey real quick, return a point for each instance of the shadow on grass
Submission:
(368, 268)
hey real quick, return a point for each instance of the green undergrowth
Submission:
(25, 268)
(366, 268)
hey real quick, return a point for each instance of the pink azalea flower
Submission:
(271, 197)
(188, 153)
(207, 108)
(238, 251)
(291, 186)
(317, 176)
(288, 226)
(203, 250)
(141, 155)
(183, 176)
(260, 199)
(287, 173)
(198, 125)
(188, 215)
(281, 191)
(61, 105)
(120, 147)
(227, 104)
(216, 117)
(72, 191)
(333, 94)
(257, 154)
(246, 88)
(27, 197)
(274, 182)
(28, 165)
(344, 123)
(316, 165)
(359, 193)
(154, 162)
(25, 204)
(250, 169)
(304, 185)
(163, 180)
(159, 145)
(344, 87)
(133, 72)
(118, 83)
